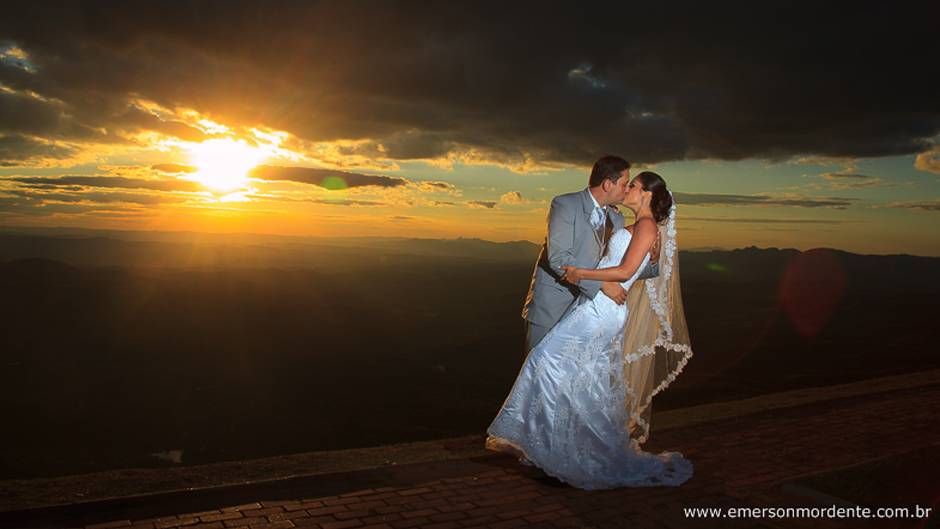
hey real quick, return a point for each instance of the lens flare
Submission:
(810, 290)
(333, 183)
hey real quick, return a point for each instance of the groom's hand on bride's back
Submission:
(615, 292)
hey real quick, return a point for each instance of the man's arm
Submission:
(561, 244)
(589, 287)
(560, 238)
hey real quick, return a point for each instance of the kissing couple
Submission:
(605, 332)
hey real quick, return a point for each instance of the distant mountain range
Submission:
(187, 342)
(141, 248)
(92, 247)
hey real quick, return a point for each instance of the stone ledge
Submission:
(138, 483)
(787, 399)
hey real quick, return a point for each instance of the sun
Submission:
(223, 164)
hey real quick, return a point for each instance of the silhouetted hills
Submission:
(37, 267)
(244, 347)
(249, 252)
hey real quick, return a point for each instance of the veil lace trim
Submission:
(655, 342)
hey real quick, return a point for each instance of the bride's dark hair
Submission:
(662, 200)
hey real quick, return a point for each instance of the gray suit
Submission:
(571, 241)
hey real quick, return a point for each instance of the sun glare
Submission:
(223, 165)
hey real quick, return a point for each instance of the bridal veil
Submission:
(656, 343)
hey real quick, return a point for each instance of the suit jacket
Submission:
(571, 240)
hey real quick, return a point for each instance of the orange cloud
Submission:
(929, 161)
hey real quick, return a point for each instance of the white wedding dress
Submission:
(566, 411)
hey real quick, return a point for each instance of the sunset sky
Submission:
(787, 127)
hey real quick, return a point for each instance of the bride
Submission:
(580, 406)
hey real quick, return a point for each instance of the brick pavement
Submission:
(739, 461)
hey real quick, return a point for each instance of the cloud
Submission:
(415, 145)
(453, 83)
(347, 202)
(111, 181)
(23, 114)
(429, 186)
(512, 198)
(173, 168)
(15, 206)
(822, 160)
(929, 161)
(33, 105)
(850, 178)
(705, 199)
(16, 150)
(134, 118)
(481, 204)
(120, 213)
(843, 176)
(923, 205)
(280, 197)
(744, 220)
(40, 198)
(16, 57)
(583, 73)
(326, 178)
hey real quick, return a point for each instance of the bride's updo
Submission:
(661, 202)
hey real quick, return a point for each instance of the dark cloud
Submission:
(82, 120)
(487, 204)
(17, 149)
(22, 114)
(65, 101)
(134, 118)
(111, 181)
(513, 82)
(326, 178)
(19, 206)
(706, 199)
(924, 205)
(411, 144)
(41, 198)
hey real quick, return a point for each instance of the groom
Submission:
(579, 226)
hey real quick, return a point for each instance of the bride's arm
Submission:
(644, 234)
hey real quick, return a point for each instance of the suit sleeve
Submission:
(561, 244)
(560, 240)
(589, 287)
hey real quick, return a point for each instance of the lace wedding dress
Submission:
(566, 411)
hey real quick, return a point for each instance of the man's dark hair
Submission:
(607, 168)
